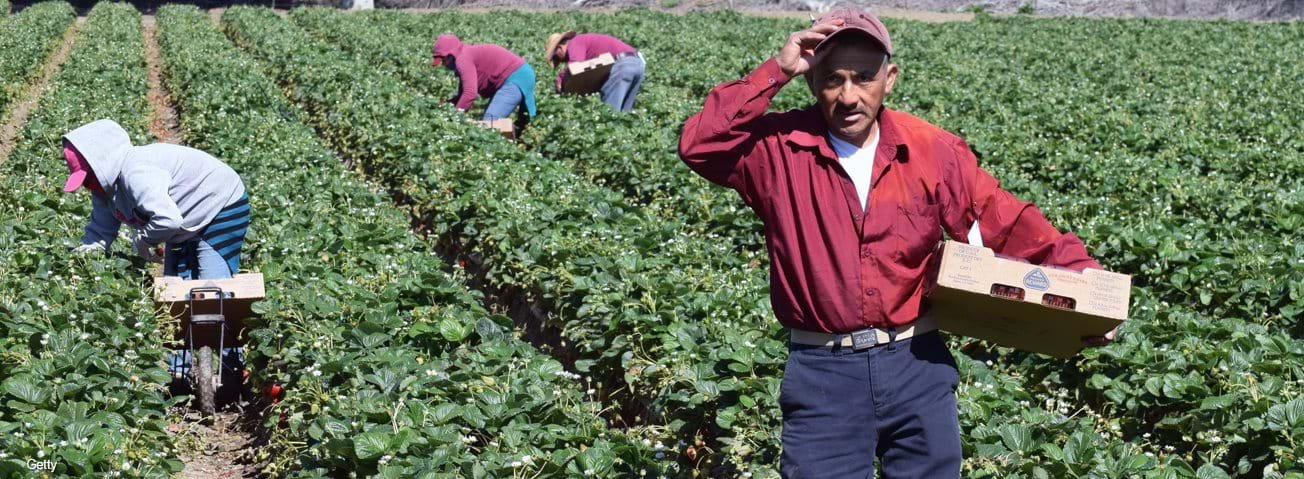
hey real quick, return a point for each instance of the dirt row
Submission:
(17, 119)
(220, 447)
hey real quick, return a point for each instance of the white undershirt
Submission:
(859, 163)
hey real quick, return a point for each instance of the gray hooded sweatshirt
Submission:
(169, 192)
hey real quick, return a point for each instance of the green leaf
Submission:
(453, 330)
(1210, 471)
(25, 390)
(371, 445)
(1016, 437)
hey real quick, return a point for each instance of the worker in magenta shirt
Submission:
(626, 75)
(854, 198)
(490, 71)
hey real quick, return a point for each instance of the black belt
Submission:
(865, 338)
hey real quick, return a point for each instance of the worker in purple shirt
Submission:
(490, 71)
(626, 75)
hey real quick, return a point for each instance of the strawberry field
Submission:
(443, 302)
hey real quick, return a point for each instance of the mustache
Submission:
(849, 111)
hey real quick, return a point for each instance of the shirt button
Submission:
(864, 252)
(771, 80)
(869, 291)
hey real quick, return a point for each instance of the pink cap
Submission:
(447, 45)
(857, 20)
(78, 169)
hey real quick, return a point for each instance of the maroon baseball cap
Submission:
(857, 20)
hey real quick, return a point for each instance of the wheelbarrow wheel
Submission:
(204, 376)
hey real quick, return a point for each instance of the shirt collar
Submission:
(813, 134)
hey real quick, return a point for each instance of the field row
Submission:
(391, 363)
(81, 348)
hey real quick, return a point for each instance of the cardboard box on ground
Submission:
(1033, 308)
(503, 126)
(587, 76)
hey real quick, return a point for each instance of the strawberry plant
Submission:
(25, 40)
(596, 271)
(639, 153)
(81, 364)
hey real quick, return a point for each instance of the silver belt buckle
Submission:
(863, 339)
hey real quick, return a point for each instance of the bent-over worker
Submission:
(171, 195)
(626, 77)
(179, 198)
(490, 71)
(854, 197)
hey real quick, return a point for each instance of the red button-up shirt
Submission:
(836, 266)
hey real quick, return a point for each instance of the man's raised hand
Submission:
(798, 55)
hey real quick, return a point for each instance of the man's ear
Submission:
(892, 72)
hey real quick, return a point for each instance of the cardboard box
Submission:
(1024, 306)
(242, 286)
(504, 127)
(241, 292)
(587, 76)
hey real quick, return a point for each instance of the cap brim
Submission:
(843, 31)
(75, 181)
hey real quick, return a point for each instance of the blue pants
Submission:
(516, 94)
(505, 101)
(843, 408)
(215, 252)
(623, 83)
(211, 263)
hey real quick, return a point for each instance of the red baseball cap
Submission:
(857, 20)
(78, 169)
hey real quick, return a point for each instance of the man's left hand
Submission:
(1098, 341)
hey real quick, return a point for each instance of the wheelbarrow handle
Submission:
(198, 292)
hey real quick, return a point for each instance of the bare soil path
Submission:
(220, 447)
(17, 119)
(163, 117)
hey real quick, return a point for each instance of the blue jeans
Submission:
(515, 94)
(842, 408)
(211, 263)
(505, 101)
(623, 83)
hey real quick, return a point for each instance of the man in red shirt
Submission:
(626, 77)
(854, 197)
(491, 71)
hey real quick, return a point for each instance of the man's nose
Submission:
(847, 97)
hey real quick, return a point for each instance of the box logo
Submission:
(1036, 279)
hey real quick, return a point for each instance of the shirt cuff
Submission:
(768, 75)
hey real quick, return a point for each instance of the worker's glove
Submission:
(146, 250)
(89, 249)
